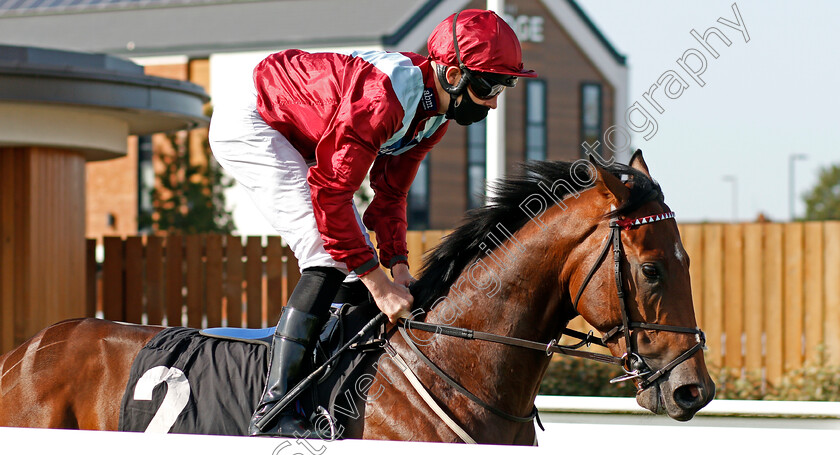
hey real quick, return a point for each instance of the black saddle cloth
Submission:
(184, 382)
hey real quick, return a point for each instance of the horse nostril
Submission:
(688, 396)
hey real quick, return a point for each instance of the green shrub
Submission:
(816, 381)
(731, 385)
(579, 377)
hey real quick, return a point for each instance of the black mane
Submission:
(444, 264)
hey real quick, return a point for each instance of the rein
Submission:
(631, 362)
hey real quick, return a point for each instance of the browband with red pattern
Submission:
(629, 224)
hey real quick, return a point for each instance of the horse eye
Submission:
(650, 271)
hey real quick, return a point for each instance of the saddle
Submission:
(216, 376)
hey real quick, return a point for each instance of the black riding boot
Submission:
(285, 367)
(292, 341)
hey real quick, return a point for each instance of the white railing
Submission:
(573, 425)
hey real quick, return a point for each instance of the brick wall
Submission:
(112, 195)
(112, 185)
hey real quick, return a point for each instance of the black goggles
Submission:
(486, 86)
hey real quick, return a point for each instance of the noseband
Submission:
(632, 363)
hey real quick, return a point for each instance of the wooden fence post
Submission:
(292, 274)
(113, 297)
(154, 280)
(713, 284)
(174, 280)
(793, 306)
(234, 273)
(832, 291)
(692, 240)
(253, 278)
(414, 240)
(214, 281)
(774, 260)
(814, 298)
(754, 295)
(134, 280)
(733, 291)
(274, 279)
(195, 281)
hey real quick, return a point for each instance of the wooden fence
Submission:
(767, 295)
(201, 280)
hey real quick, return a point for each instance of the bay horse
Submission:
(512, 277)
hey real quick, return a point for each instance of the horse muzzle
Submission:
(679, 394)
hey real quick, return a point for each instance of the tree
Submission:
(823, 201)
(187, 197)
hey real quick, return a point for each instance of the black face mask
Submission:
(467, 112)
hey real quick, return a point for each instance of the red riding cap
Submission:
(485, 41)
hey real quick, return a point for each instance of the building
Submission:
(581, 91)
(58, 111)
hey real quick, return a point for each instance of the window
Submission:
(476, 163)
(145, 182)
(590, 116)
(535, 120)
(418, 198)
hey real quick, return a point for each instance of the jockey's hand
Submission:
(393, 299)
(402, 275)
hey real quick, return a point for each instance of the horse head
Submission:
(557, 241)
(638, 292)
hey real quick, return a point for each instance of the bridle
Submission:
(631, 361)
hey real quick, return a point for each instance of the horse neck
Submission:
(514, 290)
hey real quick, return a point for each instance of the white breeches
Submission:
(273, 174)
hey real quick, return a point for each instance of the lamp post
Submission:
(734, 181)
(496, 124)
(792, 182)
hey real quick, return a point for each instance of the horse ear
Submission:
(606, 180)
(637, 162)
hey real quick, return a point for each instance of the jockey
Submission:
(309, 130)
